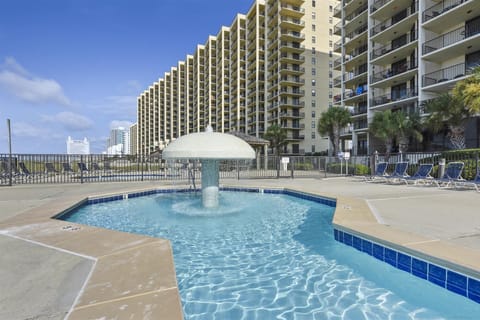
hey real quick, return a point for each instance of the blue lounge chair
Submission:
(400, 172)
(452, 175)
(421, 176)
(82, 167)
(50, 168)
(380, 172)
(475, 183)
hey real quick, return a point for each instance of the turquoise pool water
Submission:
(263, 256)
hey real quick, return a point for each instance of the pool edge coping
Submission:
(346, 217)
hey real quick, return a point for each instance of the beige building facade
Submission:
(272, 65)
(395, 54)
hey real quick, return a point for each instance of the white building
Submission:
(78, 146)
(119, 141)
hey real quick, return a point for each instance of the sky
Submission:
(75, 67)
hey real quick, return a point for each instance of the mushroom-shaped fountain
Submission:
(209, 147)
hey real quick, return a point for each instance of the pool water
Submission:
(264, 256)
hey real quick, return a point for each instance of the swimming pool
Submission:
(272, 256)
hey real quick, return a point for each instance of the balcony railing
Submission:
(451, 37)
(396, 96)
(379, 76)
(356, 32)
(390, 47)
(377, 5)
(440, 8)
(358, 51)
(353, 93)
(355, 14)
(446, 74)
(390, 22)
(359, 110)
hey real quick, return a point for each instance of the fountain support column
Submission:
(210, 178)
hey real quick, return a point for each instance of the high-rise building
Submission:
(272, 65)
(396, 54)
(78, 146)
(133, 139)
(119, 141)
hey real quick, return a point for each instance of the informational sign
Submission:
(285, 162)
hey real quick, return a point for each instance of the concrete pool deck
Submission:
(50, 269)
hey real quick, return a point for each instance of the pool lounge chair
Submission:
(95, 167)
(452, 175)
(50, 168)
(67, 168)
(421, 176)
(475, 183)
(380, 173)
(82, 167)
(400, 172)
(25, 172)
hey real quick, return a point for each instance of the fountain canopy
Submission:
(208, 145)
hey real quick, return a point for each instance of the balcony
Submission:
(445, 75)
(392, 22)
(355, 96)
(356, 14)
(391, 73)
(359, 111)
(378, 4)
(390, 52)
(394, 97)
(441, 8)
(448, 14)
(453, 43)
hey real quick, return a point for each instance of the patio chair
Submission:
(50, 168)
(25, 172)
(95, 167)
(452, 175)
(380, 172)
(421, 176)
(67, 168)
(82, 167)
(474, 183)
(400, 172)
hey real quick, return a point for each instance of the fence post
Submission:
(81, 171)
(142, 159)
(238, 170)
(292, 166)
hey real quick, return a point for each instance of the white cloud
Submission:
(70, 121)
(24, 129)
(120, 123)
(18, 81)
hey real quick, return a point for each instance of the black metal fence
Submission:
(61, 168)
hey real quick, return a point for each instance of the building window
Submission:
(330, 20)
(330, 43)
(313, 147)
(330, 53)
(330, 74)
(330, 8)
(330, 104)
(313, 92)
(313, 50)
(314, 82)
(313, 114)
(313, 124)
(314, 71)
(313, 135)
(314, 61)
(313, 3)
(330, 84)
(330, 31)
(313, 27)
(330, 94)
(313, 15)
(314, 39)
(314, 103)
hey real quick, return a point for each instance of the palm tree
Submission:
(448, 110)
(468, 91)
(330, 124)
(385, 126)
(409, 126)
(278, 138)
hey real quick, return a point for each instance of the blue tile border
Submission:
(451, 280)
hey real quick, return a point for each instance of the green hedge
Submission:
(357, 169)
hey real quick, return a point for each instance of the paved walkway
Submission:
(42, 282)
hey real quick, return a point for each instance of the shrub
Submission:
(357, 169)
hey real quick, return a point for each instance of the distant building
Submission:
(78, 146)
(133, 139)
(119, 141)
